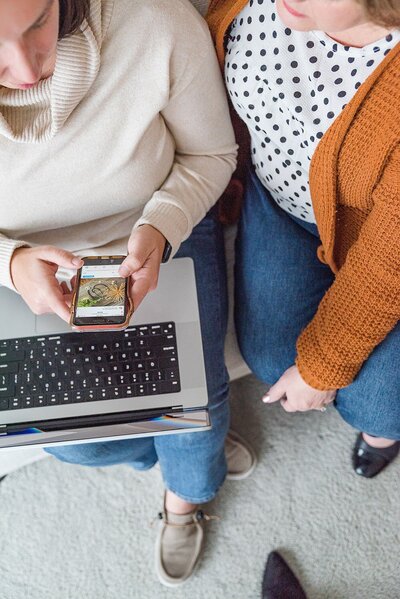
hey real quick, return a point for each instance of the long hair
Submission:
(383, 12)
(72, 15)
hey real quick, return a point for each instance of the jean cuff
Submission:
(197, 500)
(142, 468)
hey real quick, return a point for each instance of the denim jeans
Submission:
(279, 284)
(193, 465)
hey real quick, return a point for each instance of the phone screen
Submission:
(102, 293)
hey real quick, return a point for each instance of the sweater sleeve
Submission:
(7, 248)
(197, 116)
(363, 304)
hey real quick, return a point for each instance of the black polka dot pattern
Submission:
(289, 87)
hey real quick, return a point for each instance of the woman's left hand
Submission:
(296, 395)
(146, 247)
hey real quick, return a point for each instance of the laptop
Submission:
(60, 387)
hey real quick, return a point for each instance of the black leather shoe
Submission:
(279, 582)
(369, 461)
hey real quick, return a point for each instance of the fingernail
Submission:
(76, 261)
(266, 399)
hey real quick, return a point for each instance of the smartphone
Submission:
(101, 300)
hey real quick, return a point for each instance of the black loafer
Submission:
(279, 582)
(369, 461)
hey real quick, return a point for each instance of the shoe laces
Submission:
(197, 516)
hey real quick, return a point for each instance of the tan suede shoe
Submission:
(240, 457)
(179, 544)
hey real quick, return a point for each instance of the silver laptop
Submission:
(59, 387)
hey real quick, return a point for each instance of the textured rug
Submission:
(67, 532)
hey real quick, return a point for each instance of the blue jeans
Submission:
(193, 465)
(279, 284)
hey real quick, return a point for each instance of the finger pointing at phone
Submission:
(33, 271)
(145, 246)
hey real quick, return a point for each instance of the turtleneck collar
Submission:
(36, 115)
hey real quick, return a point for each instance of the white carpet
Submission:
(68, 532)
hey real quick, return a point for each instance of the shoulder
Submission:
(159, 21)
(165, 38)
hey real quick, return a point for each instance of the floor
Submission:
(67, 532)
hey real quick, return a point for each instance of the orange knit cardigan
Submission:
(355, 190)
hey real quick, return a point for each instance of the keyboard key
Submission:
(4, 403)
(40, 401)
(5, 379)
(156, 375)
(8, 367)
(155, 340)
(166, 351)
(27, 402)
(15, 403)
(112, 357)
(91, 395)
(168, 362)
(7, 390)
(53, 399)
(11, 356)
(172, 374)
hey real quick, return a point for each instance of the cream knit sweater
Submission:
(132, 128)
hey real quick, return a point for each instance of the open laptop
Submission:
(59, 387)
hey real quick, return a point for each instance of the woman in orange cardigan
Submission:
(318, 253)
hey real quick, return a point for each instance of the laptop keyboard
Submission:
(79, 367)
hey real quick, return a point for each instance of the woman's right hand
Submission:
(33, 272)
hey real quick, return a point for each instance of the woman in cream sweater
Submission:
(115, 137)
(316, 83)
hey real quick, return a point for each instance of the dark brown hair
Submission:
(72, 15)
(383, 12)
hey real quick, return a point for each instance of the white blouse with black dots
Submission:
(289, 86)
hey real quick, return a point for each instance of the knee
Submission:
(266, 358)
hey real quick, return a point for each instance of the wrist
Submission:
(14, 261)
(164, 245)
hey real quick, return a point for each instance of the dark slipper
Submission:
(369, 461)
(279, 582)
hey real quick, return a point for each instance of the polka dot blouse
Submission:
(289, 86)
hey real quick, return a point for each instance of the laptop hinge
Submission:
(87, 421)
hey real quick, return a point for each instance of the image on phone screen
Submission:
(101, 295)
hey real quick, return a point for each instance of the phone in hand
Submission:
(101, 300)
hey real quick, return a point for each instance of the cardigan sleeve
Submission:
(363, 304)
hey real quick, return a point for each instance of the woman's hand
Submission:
(296, 395)
(146, 247)
(33, 272)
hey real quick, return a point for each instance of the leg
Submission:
(279, 283)
(138, 453)
(372, 402)
(193, 465)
